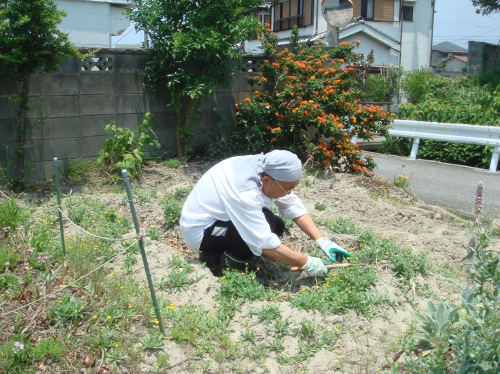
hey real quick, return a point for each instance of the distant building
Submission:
(449, 58)
(399, 32)
(92, 23)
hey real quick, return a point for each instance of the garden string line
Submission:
(95, 236)
(136, 237)
(72, 283)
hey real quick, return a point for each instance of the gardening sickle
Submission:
(336, 266)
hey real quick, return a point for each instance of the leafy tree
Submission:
(486, 7)
(29, 41)
(192, 44)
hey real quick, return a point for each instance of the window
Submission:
(367, 9)
(407, 13)
(288, 13)
(374, 10)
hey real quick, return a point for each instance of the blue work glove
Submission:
(314, 267)
(333, 251)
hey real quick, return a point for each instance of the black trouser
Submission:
(222, 237)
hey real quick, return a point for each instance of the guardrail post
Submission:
(414, 149)
(494, 160)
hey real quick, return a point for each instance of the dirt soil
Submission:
(365, 344)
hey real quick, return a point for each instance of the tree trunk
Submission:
(183, 126)
(21, 127)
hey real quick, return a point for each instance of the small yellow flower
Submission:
(94, 317)
(117, 345)
(108, 317)
(59, 301)
(157, 322)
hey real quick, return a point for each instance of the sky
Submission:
(456, 21)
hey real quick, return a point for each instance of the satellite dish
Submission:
(337, 13)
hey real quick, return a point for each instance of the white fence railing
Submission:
(448, 132)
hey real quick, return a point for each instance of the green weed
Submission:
(172, 205)
(11, 216)
(126, 151)
(319, 206)
(79, 172)
(402, 181)
(153, 340)
(173, 163)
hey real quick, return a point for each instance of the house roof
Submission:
(112, 2)
(361, 26)
(350, 29)
(460, 58)
(448, 47)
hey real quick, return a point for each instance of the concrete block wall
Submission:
(72, 105)
(481, 56)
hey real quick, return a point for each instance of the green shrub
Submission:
(224, 142)
(376, 89)
(126, 151)
(385, 86)
(416, 84)
(396, 146)
(457, 100)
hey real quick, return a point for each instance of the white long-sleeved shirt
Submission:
(219, 196)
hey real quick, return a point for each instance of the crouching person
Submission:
(227, 216)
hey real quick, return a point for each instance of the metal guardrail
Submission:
(448, 132)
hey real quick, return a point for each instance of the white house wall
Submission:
(91, 23)
(455, 66)
(382, 54)
(117, 20)
(416, 36)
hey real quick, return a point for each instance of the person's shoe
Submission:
(230, 262)
(212, 260)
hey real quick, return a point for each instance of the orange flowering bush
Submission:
(312, 105)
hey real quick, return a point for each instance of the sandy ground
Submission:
(365, 344)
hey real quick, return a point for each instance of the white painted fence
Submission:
(448, 132)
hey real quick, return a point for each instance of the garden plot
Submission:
(354, 320)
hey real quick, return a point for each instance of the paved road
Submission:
(452, 187)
